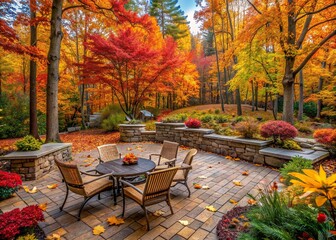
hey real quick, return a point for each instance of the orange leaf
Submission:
(115, 221)
(251, 201)
(43, 206)
(97, 230)
(54, 236)
(233, 201)
(245, 173)
(52, 186)
(237, 159)
(197, 186)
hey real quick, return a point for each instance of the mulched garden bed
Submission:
(233, 223)
(329, 165)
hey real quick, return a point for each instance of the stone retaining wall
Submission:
(34, 164)
(205, 139)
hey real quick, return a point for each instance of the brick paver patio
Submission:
(220, 173)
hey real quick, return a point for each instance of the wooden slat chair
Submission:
(83, 183)
(167, 156)
(182, 174)
(108, 152)
(156, 189)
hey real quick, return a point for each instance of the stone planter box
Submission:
(33, 165)
(191, 137)
(166, 131)
(131, 132)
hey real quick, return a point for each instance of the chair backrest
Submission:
(169, 150)
(70, 173)
(190, 156)
(158, 182)
(108, 152)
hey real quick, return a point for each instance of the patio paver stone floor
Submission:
(220, 173)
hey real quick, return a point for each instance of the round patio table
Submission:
(120, 170)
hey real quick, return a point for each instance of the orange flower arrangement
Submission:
(130, 158)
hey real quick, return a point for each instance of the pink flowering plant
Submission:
(9, 183)
(193, 123)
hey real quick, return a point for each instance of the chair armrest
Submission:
(185, 167)
(171, 162)
(154, 154)
(131, 185)
(97, 177)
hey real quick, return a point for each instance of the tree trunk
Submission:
(33, 128)
(266, 101)
(53, 71)
(256, 97)
(300, 113)
(288, 85)
(253, 97)
(320, 86)
(238, 102)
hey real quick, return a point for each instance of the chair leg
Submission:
(124, 203)
(186, 184)
(66, 197)
(82, 206)
(170, 206)
(114, 196)
(146, 215)
(98, 196)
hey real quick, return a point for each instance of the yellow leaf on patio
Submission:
(115, 221)
(205, 187)
(233, 201)
(184, 222)
(54, 236)
(43, 206)
(34, 190)
(281, 179)
(245, 173)
(52, 186)
(129, 149)
(97, 230)
(229, 157)
(237, 159)
(251, 201)
(237, 183)
(202, 177)
(258, 165)
(158, 213)
(211, 208)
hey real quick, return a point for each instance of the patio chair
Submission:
(156, 189)
(108, 152)
(182, 174)
(167, 156)
(83, 183)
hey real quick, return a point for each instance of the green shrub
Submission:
(238, 119)
(110, 110)
(221, 118)
(309, 108)
(150, 126)
(217, 111)
(112, 122)
(248, 129)
(288, 144)
(176, 118)
(134, 121)
(28, 143)
(296, 164)
(274, 218)
(206, 118)
(304, 127)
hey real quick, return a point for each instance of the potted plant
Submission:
(193, 123)
(9, 184)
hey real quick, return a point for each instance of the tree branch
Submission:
(315, 25)
(317, 11)
(304, 62)
(254, 7)
(304, 31)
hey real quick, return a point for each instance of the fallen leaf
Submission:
(34, 190)
(229, 157)
(211, 208)
(236, 159)
(54, 236)
(184, 222)
(251, 201)
(202, 177)
(205, 187)
(258, 165)
(197, 186)
(52, 186)
(115, 221)
(97, 230)
(43, 206)
(129, 149)
(89, 156)
(237, 183)
(245, 173)
(281, 179)
(158, 213)
(210, 167)
(233, 201)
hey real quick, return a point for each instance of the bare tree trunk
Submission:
(253, 97)
(300, 113)
(256, 97)
(33, 128)
(320, 86)
(53, 72)
(238, 102)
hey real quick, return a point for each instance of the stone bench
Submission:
(276, 157)
(32, 165)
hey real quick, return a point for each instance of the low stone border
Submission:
(251, 150)
(32, 165)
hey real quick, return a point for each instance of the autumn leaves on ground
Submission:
(81, 140)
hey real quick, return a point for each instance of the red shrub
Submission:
(8, 179)
(12, 222)
(278, 129)
(326, 136)
(193, 123)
